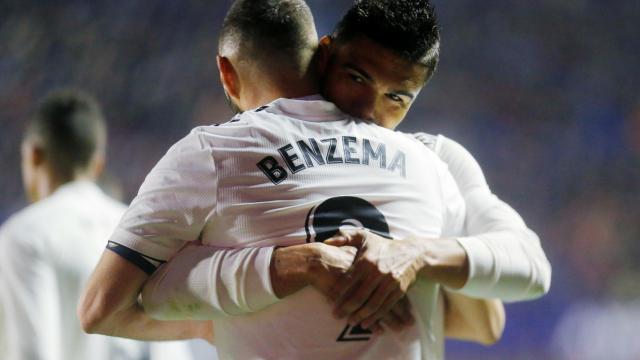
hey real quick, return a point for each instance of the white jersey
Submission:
(292, 172)
(505, 257)
(47, 252)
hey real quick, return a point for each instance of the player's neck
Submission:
(51, 182)
(267, 94)
(272, 88)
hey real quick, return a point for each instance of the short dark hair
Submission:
(274, 30)
(408, 27)
(69, 127)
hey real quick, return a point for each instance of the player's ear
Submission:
(228, 77)
(35, 155)
(325, 48)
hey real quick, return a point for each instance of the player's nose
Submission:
(364, 108)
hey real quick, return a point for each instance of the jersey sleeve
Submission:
(172, 206)
(203, 282)
(28, 296)
(506, 259)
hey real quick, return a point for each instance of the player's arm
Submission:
(505, 257)
(27, 284)
(203, 282)
(171, 209)
(110, 305)
(504, 261)
(472, 319)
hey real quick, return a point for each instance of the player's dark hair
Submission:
(69, 127)
(272, 30)
(408, 27)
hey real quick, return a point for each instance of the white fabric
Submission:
(47, 252)
(218, 280)
(4, 349)
(208, 187)
(505, 257)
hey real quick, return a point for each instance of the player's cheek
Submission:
(390, 116)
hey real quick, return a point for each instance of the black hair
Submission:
(408, 27)
(276, 30)
(69, 127)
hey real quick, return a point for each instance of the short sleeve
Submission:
(172, 206)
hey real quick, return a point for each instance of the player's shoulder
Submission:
(441, 145)
(239, 126)
(438, 143)
(111, 206)
(28, 220)
(428, 140)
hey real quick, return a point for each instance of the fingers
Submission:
(355, 293)
(350, 250)
(377, 328)
(402, 309)
(354, 238)
(397, 319)
(391, 320)
(373, 304)
(389, 302)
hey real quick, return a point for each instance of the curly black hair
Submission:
(408, 27)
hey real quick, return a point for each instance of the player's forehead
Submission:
(382, 65)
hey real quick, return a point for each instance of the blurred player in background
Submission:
(146, 255)
(48, 250)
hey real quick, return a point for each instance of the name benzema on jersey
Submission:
(308, 153)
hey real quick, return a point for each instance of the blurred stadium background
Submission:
(544, 94)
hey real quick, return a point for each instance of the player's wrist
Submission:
(290, 268)
(445, 261)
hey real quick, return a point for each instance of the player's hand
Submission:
(381, 274)
(398, 319)
(329, 264)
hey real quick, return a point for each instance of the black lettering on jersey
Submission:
(144, 262)
(331, 153)
(348, 150)
(354, 333)
(399, 162)
(272, 169)
(380, 154)
(311, 152)
(233, 120)
(290, 159)
(308, 153)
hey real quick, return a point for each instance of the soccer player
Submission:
(48, 250)
(365, 76)
(178, 172)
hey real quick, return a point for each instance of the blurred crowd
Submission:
(544, 94)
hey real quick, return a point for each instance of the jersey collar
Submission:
(308, 108)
